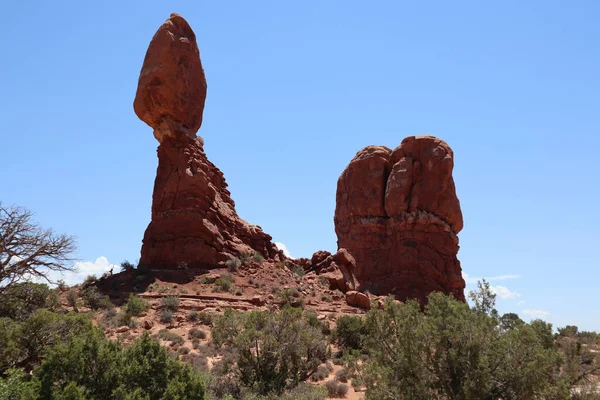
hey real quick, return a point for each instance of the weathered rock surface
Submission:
(337, 268)
(194, 222)
(397, 213)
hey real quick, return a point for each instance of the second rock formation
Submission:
(398, 215)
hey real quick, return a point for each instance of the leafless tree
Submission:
(28, 251)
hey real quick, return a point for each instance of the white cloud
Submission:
(85, 268)
(535, 314)
(521, 302)
(504, 293)
(469, 279)
(283, 248)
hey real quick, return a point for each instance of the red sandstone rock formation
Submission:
(194, 222)
(397, 213)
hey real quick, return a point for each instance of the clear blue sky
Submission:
(294, 90)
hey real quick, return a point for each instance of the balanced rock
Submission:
(398, 215)
(194, 222)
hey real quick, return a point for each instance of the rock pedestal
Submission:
(194, 222)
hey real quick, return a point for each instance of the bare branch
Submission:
(28, 251)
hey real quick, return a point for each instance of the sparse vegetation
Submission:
(336, 389)
(350, 332)
(167, 335)
(196, 333)
(272, 348)
(93, 299)
(166, 316)
(233, 264)
(224, 283)
(136, 305)
(127, 266)
(258, 257)
(291, 297)
(170, 303)
(245, 258)
(72, 299)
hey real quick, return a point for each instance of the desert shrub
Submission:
(272, 348)
(321, 373)
(197, 333)
(342, 375)
(23, 343)
(72, 299)
(222, 285)
(16, 386)
(329, 366)
(127, 266)
(233, 264)
(305, 391)
(167, 335)
(226, 386)
(93, 299)
(19, 300)
(336, 389)
(326, 297)
(101, 368)
(124, 318)
(245, 257)
(291, 297)
(166, 316)
(239, 292)
(89, 280)
(471, 355)
(170, 303)
(136, 305)
(258, 257)
(183, 350)
(298, 270)
(205, 318)
(350, 332)
(193, 316)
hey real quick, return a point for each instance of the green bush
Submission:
(258, 257)
(94, 299)
(16, 386)
(336, 389)
(222, 285)
(170, 303)
(19, 300)
(272, 348)
(136, 305)
(233, 264)
(452, 351)
(23, 343)
(170, 337)
(193, 316)
(197, 333)
(103, 369)
(127, 266)
(72, 299)
(166, 316)
(350, 332)
(291, 297)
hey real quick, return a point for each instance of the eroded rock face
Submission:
(397, 213)
(194, 222)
